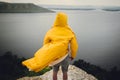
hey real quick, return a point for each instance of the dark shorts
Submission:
(64, 65)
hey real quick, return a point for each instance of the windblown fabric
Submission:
(55, 45)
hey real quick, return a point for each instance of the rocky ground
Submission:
(74, 73)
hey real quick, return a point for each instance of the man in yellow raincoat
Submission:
(58, 41)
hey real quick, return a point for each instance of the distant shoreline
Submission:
(84, 8)
(70, 9)
(32, 8)
(22, 8)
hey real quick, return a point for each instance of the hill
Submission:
(21, 8)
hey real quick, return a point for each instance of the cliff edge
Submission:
(74, 73)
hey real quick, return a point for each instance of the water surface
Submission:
(98, 34)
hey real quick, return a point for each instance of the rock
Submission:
(30, 78)
(74, 73)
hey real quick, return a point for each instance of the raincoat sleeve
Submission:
(46, 39)
(73, 47)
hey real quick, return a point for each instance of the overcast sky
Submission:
(71, 2)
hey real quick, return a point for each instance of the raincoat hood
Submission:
(61, 20)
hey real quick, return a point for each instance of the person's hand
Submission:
(71, 58)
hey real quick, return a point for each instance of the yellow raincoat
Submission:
(55, 45)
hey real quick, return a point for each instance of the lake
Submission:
(97, 31)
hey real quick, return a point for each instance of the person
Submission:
(58, 42)
(59, 25)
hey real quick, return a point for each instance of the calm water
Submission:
(98, 34)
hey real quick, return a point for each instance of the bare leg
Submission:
(54, 75)
(65, 76)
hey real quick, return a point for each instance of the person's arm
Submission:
(73, 47)
(46, 39)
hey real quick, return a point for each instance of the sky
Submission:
(70, 2)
